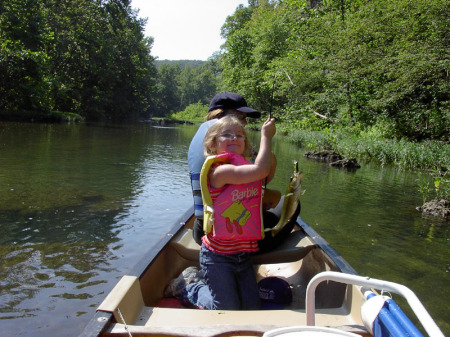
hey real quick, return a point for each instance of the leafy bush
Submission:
(438, 190)
(193, 112)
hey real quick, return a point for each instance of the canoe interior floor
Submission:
(137, 298)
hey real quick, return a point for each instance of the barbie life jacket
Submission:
(236, 213)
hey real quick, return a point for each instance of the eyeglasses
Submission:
(232, 136)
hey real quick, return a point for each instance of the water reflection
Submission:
(76, 210)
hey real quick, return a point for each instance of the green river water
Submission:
(79, 204)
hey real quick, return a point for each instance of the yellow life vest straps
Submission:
(208, 211)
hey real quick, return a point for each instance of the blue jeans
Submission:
(230, 283)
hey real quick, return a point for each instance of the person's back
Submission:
(196, 159)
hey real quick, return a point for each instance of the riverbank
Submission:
(425, 156)
(41, 117)
(430, 158)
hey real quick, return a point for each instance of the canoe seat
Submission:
(184, 244)
(294, 248)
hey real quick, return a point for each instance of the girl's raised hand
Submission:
(269, 129)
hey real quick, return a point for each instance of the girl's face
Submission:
(231, 139)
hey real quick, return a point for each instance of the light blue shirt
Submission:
(196, 158)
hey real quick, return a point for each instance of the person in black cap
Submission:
(222, 104)
(225, 102)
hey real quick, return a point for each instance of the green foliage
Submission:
(193, 112)
(181, 63)
(167, 89)
(84, 57)
(24, 63)
(183, 83)
(424, 188)
(378, 68)
(437, 189)
(90, 58)
(355, 63)
(311, 139)
(255, 36)
(442, 186)
(368, 146)
(410, 155)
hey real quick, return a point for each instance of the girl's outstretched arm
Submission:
(231, 174)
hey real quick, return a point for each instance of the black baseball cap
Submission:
(231, 100)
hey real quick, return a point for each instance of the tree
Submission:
(167, 90)
(360, 63)
(85, 57)
(254, 42)
(24, 84)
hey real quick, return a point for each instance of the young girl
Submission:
(225, 258)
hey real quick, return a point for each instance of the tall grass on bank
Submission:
(429, 155)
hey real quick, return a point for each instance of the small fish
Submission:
(291, 199)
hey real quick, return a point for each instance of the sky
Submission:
(185, 29)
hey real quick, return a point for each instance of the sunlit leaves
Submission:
(358, 63)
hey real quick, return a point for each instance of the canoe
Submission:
(136, 307)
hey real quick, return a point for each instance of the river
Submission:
(80, 203)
